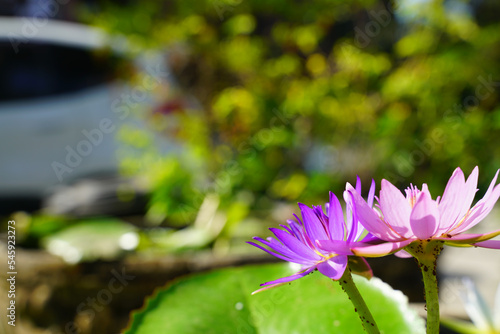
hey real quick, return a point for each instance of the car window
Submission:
(39, 69)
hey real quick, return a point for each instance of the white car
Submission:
(62, 104)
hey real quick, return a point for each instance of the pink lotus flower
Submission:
(403, 220)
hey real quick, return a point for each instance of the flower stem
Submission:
(359, 304)
(426, 253)
(431, 297)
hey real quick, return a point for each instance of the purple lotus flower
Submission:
(297, 241)
(416, 216)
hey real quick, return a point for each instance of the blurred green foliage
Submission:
(298, 97)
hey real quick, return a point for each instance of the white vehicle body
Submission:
(54, 139)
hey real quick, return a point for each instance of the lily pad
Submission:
(90, 240)
(221, 302)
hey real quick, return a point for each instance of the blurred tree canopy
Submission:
(299, 97)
